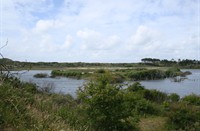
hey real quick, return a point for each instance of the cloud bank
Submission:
(100, 31)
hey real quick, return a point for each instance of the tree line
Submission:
(187, 63)
(183, 62)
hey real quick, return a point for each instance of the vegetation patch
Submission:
(192, 99)
(183, 117)
(41, 75)
(73, 74)
(146, 74)
(153, 124)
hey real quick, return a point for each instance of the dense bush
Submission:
(135, 87)
(144, 107)
(101, 71)
(192, 99)
(146, 74)
(155, 96)
(104, 105)
(13, 103)
(172, 72)
(152, 74)
(116, 78)
(73, 114)
(184, 117)
(174, 97)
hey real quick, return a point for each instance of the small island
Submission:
(41, 75)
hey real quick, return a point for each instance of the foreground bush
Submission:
(155, 96)
(184, 117)
(24, 108)
(104, 106)
(13, 103)
(173, 97)
(192, 99)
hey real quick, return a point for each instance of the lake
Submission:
(69, 86)
(185, 87)
(59, 84)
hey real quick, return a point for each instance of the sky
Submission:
(99, 30)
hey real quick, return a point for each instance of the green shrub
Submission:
(146, 74)
(192, 99)
(155, 96)
(174, 97)
(101, 71)
(183, 117)
(117, 78)
(144, 107)
(135, 87)
(74, 116)
(172, 72)
(104, 105)
(14, 100)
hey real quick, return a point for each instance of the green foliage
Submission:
(173, 97)
(137, 103)
(192, 99)
(144, 107)
(100, 105)
(116, 78)
(101, 71)
(146, 74)
(73, 74)
(172, 72)
(135, 87)
(22, 107)
(72, 113)
(155, 96)
(104, 105)
(14, 99)
(40, 75)
(184, 117)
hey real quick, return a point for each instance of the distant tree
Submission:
(150, 60)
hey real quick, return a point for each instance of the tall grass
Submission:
(73, 74)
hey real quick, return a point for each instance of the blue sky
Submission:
(100, 30)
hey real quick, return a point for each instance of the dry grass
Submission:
(152, 124)
(47, 119)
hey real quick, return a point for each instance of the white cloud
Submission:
(45, 25)
(88, 34)
(68, 42)
(144, 37)
(94, 40)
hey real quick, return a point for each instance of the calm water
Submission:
(69, 86)
(59, 84)
(188, 86)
